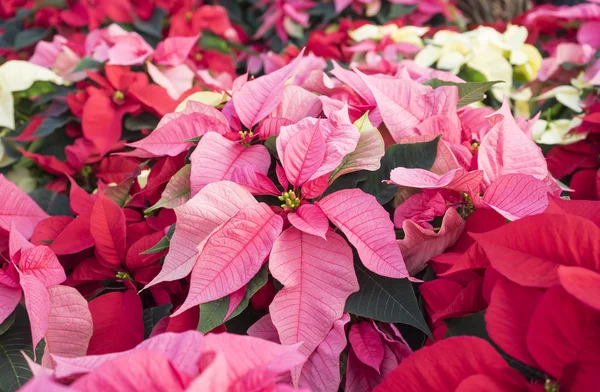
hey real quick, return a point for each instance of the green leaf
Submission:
(29, 37)
(271, 145)
(470, 325)
(53, 203)
(143, 121)
(153, 315)
(212, 314)
(210, 41)
(469, 92)
(416, 155)
(347, 181)
(7, 323)
(14, 371)
(163, 244)
(51, 124)
(177, 191)
(385, 299)
(153, 26)
(37, 88)
(87, 63)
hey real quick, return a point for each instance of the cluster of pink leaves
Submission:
(223, 235)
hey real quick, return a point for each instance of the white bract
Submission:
(497, 56)
(17, 75)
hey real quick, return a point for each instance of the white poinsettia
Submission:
(557, 131)
(406, 34)
(569, 95)
(497, 56)
(18, 75)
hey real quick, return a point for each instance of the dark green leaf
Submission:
(53, 203)
(7, 323)
(470, 325)
(14, 371)
(163, 244)
(469, 92)
(8, 36)
(270, 143)
(87, 63)
(385, 299)
(51, 124)
(417, 155)
(145, 120)
(153, 315)
(29, 37)
(212, 314)
(347, 181)
(153, 26)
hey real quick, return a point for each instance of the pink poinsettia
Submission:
(174, 362)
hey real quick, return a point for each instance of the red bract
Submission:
(121, 92)
(456, 364)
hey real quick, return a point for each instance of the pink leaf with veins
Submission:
(368, 227)
(176, 79)
(175, 129)
(16, 206)
(271, 126)
(402, 103)
(17, 242)
(70, 325)
(420, 245)
(232, 255)
(174, 50)
(10, 295)
(138, 371)
(37, 303)
(256, 182)
(367, 344)
(264, 329)
(515, 196)
(456, 179)
(183, 350)
(41, 262)
(129, 49)
(310, 219)
(246, 355)
(363, 378)
(340, 137)
(297, 104)
(506, 149)
(235, 299)
(303, 311)
(420, 208)
(420, 178)
(257, 98)
(304, 154)
(214, 205)
(321, 372)
(216, 158)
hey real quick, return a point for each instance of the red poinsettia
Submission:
(121, 92)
